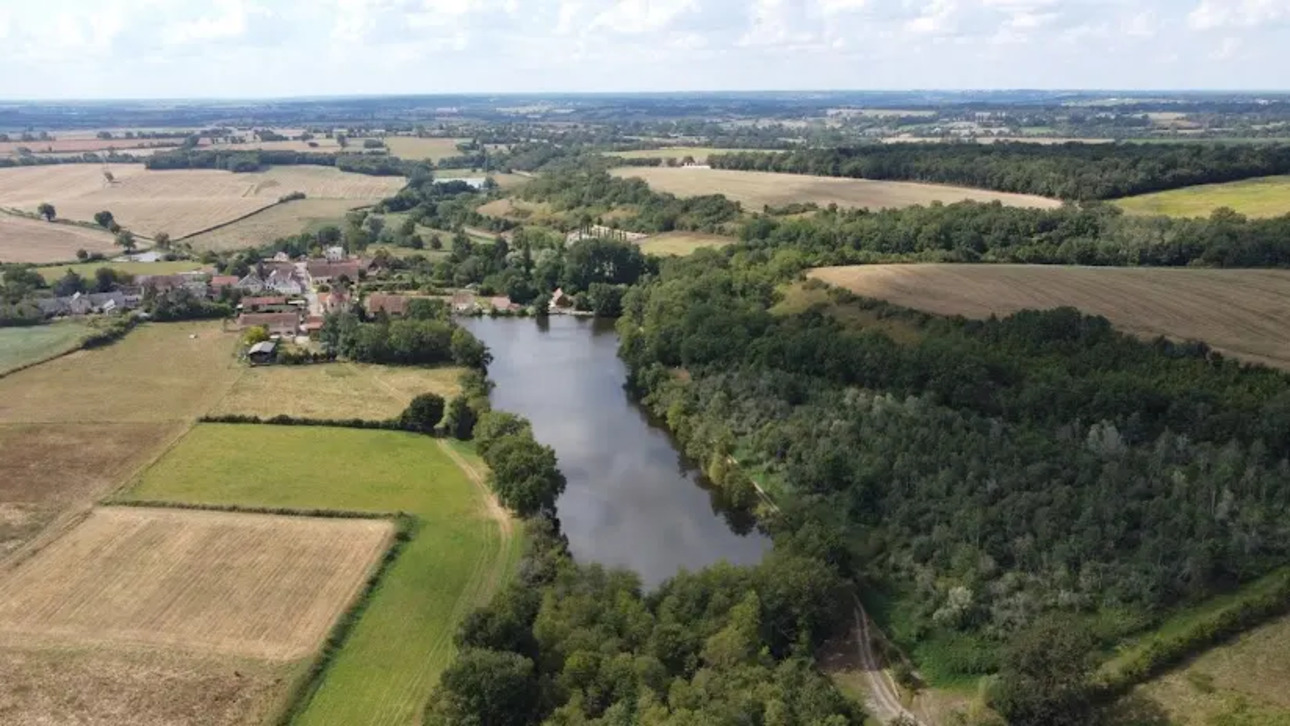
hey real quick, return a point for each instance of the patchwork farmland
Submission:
(23, 239)
(1238, 312)
(179, 202)
(754, 189)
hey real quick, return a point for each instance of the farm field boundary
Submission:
(455, 557)
(1237, 312)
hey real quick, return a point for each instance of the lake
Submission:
(632, 501)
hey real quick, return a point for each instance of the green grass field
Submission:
(87, 269)
(1263, 197)
(21, 346)
(457, 558)
(680, 244)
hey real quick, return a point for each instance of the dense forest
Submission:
(1072, 235)
(982, 474)
(1066, 171)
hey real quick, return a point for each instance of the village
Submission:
(288, 299)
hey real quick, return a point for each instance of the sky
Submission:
(52, 49)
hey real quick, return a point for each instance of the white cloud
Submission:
(309, 47)
(1215, 14)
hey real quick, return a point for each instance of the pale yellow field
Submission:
(251, 585)
(699, 153)
(412, 147)
(156, 373)
(335, 390)
(277, 221)
(681, 244)
(1247, 675)
(33, 240)
(755, 189)
(1238, 312)
(180, 202)
(139, 686)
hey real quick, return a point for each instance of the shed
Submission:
(262, 353)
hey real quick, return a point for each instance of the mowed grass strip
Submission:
(755, 189)
(24, 346)
(456, 558)
(335, 390)
(158, 372)
(1238, 312)
(87, 269)
(1262, 197)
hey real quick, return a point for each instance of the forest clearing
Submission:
(335, 390)
(754, 189)
(1262, 197)
(23, 239)
(680, 244)
(462, 550)
(1237, 312)
(250, 585)
(178, 202)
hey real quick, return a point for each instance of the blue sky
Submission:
(258, 48)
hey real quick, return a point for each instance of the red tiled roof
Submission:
(262, 301)
(391, 304)
(224, 280)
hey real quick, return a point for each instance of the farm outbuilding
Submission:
(262, 353)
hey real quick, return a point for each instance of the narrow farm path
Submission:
(884, 698)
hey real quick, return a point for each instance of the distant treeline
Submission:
(1067, 171)
(973, 232)
(257, 159)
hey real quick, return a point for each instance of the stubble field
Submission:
(1240, 313)
(32, 240)
(281, 220)
(335, 390)
(754, 189)
(179, 202)
(250, 585)
(416, 149)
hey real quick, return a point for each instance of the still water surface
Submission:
(632, 500)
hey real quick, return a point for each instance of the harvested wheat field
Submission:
(415, 148)
(335, 390)
(179, 202)
(53, 469)
(95, 686)
(1238, 312)
(32, 240)
(277, 221)
(158, 372)
(82, 145)
(755, 189)
(252, 585)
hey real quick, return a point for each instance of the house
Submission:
(334, 253)
(256, 304)
(313, 325)
(396, 306)
(322, 272)
(222, 282)
(262, 353)
(252, 283)
(281, 257)
(560, 301)
(283, 324)
(503, 304)
(463, 302)
(335, 301)
(284, 282)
